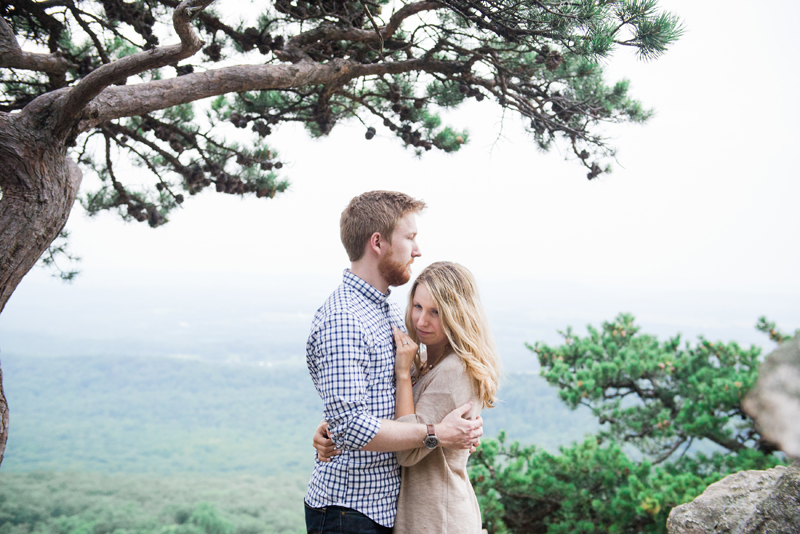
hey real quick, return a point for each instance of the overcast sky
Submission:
(705, 196)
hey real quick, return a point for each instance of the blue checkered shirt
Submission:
(350, 355)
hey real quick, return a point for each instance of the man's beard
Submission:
(396, 273)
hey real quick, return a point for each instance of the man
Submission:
(350, 356)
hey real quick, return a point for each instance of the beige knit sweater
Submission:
(436, 496)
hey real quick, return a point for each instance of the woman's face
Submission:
(425, 317)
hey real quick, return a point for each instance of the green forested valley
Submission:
(109, 444)
(166, 416)
(92, 503)
(112, 444)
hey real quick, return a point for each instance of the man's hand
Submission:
(455, 432)
(324, 444)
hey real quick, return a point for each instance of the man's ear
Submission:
(375, 243)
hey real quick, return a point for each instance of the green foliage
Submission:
(206, 517)
(768, 327)
(655, 395)
(58, 251)
(654, 401)
(525, 489)
(445, 94)
(450, 140)
(537, 59)
(73, 503)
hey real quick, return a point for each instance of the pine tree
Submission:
(660, 405)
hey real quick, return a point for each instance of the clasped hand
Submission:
(454, 432)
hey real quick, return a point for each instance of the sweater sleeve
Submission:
(449, 389)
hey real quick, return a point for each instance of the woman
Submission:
(445, 314)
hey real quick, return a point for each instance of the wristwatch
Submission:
(430, 441)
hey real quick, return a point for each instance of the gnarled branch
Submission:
(330, 32)
(13, 57)
(119, 70)
(125, 101)
(405, 12)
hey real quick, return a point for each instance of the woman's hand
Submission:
(323, 443)
(406, 350)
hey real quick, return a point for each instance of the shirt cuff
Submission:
(358, 432)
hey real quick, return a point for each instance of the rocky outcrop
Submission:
(775, 400)
(757, 502)
(748, 502)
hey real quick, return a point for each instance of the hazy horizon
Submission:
(265, 320)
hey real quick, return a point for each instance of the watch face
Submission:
(430, 441)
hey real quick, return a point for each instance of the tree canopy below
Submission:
(671, 424)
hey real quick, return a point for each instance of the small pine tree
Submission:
(665, 401)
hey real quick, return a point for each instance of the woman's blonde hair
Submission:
(463, 320)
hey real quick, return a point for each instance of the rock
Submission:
(775, 400)
(748, 502)
(757, 502)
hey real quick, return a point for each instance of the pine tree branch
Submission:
(669, 452)
(405, 12)
(93, 36)
(327, 31)
(730, 444)
(54, 3)
(210, 21)
(13, 57)
(170, 158)
(124, 101)
(118, 71)
(50, 258)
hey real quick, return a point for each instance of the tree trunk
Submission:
(3, 419)
(38, 184)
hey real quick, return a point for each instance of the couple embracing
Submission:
(397, 391)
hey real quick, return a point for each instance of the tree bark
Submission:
(13, 57)
(115, 102)
(3, 419)
(39, 185)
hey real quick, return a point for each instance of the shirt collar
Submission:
(371, 293)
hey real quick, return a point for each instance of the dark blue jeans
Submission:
(338, 520)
